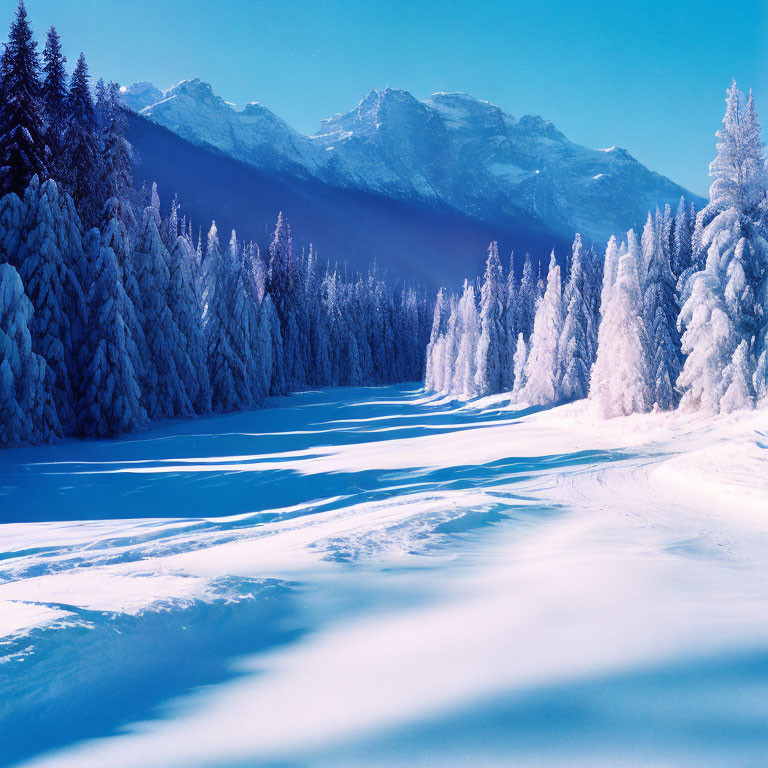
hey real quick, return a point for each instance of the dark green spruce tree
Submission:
(22, 144)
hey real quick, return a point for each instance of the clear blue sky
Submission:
(648, 76)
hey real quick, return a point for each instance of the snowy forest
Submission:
(113, 315)
(677, 317)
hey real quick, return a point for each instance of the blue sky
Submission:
(647, 76)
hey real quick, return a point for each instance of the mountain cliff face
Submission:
(409, 240)
(451, 152)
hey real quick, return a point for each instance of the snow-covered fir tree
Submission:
(519, 360)
(526, 300)
(730, 226)
(542, 367)
(110, 400)
(185, 308)
(509, 334)
(660, 312)
(46, 263)
(27, 411)
(434, 367)
(573, 346)
(81, 172)
(490, 349)
(54, 103)
(709, 340)
(619, 384)
(228, 373)
(165, 395)
(22, 142)
(464, 379)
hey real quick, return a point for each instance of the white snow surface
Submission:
(472, 585)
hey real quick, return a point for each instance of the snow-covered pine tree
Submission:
(241, 310)
(185, 308)
(490, 348)
(610, 271)
(12, 229)
(117, 159)
(619, 383)
(165, 395)
(682, 254)
(271, 320)
(542, 366)
(649, 241)
(573, 351)
(510, 332)
(27, 411)
(114, 235)
(464, 383)
(434, 366)
(110, 403)
(169, 227)
(22, 143)
(227, 371)
(709, 340)
(660, 312)
(81, 165)
(592, 268)
(731, 223)
(520, 358)
(281, 286)
(46, 261)
(54, 103)
(450, 346)
(738, 382)
(526, 300)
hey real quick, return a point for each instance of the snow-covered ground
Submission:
(373, 577)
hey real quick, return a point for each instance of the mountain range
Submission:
(450, 155)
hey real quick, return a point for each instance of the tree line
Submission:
(113, 315)
(677, 317)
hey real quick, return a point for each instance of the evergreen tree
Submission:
(619, 383)
(520, 358)
(434, 348)
(469, 328)
(709, 340)
(114, 235)
(609, 274)
(573, 350)
(185, 308)
(81, 167)
(660, 316)
(509, 331)
(27, 411)
(22, 143)
(738, 373)
(54, 103)
(682, 254)
(165, 395)
(526, 300)
(490, 349)
(110, 403)
(542, 366)
(730, 224)
(281, 286)
(450, 347)
(117, 158)
(12, 227)
(227, 371)
(46, 263)
(592, 290)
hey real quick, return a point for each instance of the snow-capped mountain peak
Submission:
(452, 149)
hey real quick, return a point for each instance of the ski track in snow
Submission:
(385, 578)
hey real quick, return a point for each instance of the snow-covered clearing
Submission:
(374, 577)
